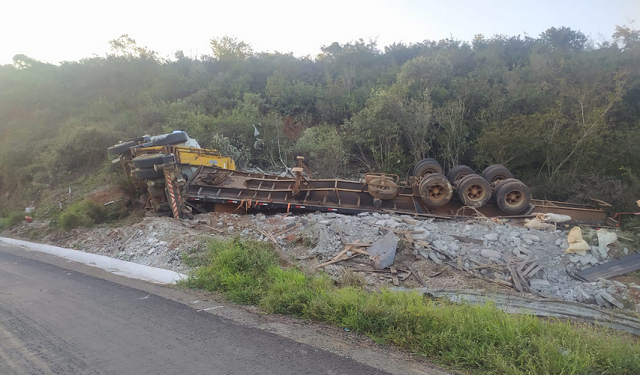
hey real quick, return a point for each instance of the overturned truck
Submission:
(185, 186)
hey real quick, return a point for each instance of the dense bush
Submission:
(11, 219)
(82, 214)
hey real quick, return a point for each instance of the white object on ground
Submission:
(116, 266)
(605, 238)
(576, 243)
(555, 218)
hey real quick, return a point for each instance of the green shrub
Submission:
(12, 219)
(82, 214)
(238, 269)
(288, 293)
(481, 339)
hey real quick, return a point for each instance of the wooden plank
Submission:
(415, 275)
(515, 278)
(356, 244)
(530, 268)
(394, 276)
(336, 258)
(533, 272)
(468, 240)
(522, 264)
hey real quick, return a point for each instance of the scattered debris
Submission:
(576, 243)
(477, 253)
(540, 307)
(624, 265)
(605, 238)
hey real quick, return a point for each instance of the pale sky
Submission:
(59, 30)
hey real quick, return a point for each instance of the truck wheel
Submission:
(120, 148)
(427, 166)
(172, 139)
(149, 160)
(512, 196)
(496, 172)
(456, 173)
(435, 190)
(474, 191)
(382, 189)
(147, 173)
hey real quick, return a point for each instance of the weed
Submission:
(350, 278)
(481, 339)
(82, 214)
(238, 269)
(12, 219)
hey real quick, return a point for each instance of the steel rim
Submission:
(514, 197)
(475, 192)
(436, 192)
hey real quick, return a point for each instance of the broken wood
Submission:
(287, 230)
(358, 244)
(515, 278)
(394, 276)
(356, 250)
(212, 228)
(533, 272)
(336, 258)
(415, 275)
(269, 236)
(468, 240)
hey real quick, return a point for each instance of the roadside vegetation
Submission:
(558, 109)
(480, 339)
(10, 220)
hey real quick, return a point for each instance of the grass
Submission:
(11, 219)
(480, 339)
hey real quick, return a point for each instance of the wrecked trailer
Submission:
(212, 189)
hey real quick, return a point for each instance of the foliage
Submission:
(240, 270)
(547, 107)
(324, 150)
(480, 339)
(11, 219)
(84, 213)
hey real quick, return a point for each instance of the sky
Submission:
(68, 30)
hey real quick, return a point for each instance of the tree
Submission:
(227, 48)
(126, 47)
(564, 38)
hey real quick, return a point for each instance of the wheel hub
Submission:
(513, 197)
(436, 192)
(475, 192)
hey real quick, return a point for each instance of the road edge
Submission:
(115, 266)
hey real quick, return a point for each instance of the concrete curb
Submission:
(116, 266)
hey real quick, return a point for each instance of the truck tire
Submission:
(427, 166)
(120, 148)
(512, 196)
(149, 160)
(172, 139)
(455, 174)
(147, 173)
(382, 189)
(495, 173)
(435, 190)
(474, 191)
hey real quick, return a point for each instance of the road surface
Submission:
(59, 319)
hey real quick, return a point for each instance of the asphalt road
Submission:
(55, 320)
